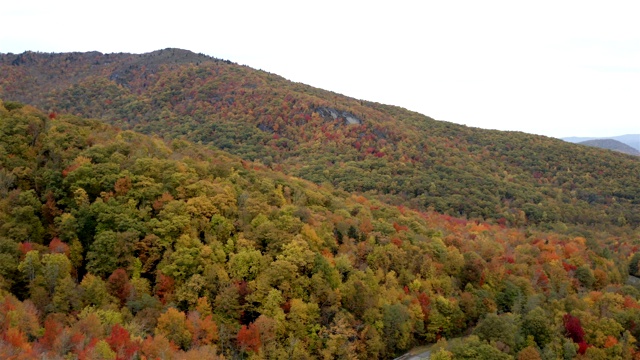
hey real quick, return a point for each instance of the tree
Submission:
(185, 261)
(119, 286)
(164, 288)
(634, 269)
(227, 303)
(31, 266)
(536, 323)
(339, 339)
(66, 297)
(397, 328)
(221, 228)
(472, 348)
(94, 291)
(190, 291)
(573, 328)
(249, 338)
(441, 354)
(529, 353)
(23, 224)
(102, 258)
(445, 318)
(203, 329)
(301, 318)
(584, 274)
(246, 264)
(55, 267)
(173, 325)
(9, 263)
(102, 351)
(57, 246)
(503, 328)
(52, 330)
(158, 347)
(120, 342)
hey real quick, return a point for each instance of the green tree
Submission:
(246, 264)
(23, 223)
(502, 328)
(31, 266)
(55, 267)
(472, 348)
(634, 269)
(111, 250)
(537, 324)
(9, 262)
(102, 258)
(94, 291)
(445, 319)
(397, 328)
(584, 274)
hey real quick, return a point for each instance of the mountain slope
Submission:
(119, 245)
(611, 144)
(397, 155)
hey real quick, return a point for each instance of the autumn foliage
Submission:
(249, 338)
(117, 245)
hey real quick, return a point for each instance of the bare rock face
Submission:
(331, 114)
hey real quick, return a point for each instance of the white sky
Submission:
(557, 68)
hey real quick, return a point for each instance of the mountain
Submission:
(119, 245)
(632, 140)
(611, 144)
(398, 156)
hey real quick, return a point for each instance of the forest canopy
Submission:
(120, 245)
(172, 205)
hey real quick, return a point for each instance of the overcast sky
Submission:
(556, 68)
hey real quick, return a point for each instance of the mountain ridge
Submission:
(400, 156)
(632, 140)
(611, 144)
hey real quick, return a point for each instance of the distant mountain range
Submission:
(611, 144)
(632, 140)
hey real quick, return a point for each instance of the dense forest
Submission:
(172, 205)
(397, 156)
(117, 245)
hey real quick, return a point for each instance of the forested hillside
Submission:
(398, 156)
(117, 245)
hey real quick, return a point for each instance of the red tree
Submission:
(249, 338)
(120, 342)
(119, 285)
(573, 328)
(164, 287)
(56, 246)
(51, 331)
